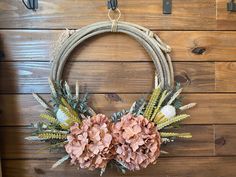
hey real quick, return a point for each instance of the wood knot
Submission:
(183, 78)
(220, 141)
(199, 50)
(113, 97)
(39, 171)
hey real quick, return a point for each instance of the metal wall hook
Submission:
(112, 4)
(30, 4)
(167, 6)
(231, 6)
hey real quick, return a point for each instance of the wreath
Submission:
(130, 139)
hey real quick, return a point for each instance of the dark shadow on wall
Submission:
(10, 143)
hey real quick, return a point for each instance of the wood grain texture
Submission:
(36, 45)
(14, 146)
(225, 76)
(21, 110)
(225, 140)
(176, 167)
(187, 14)
(104, 77)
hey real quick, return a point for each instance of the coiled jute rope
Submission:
(156, 49)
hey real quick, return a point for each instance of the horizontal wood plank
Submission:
(187, 14)
(21, 110)
(225, 139)
(215, 45)
(176, 167)
(14, 146)
(37, 45)
(105, 77)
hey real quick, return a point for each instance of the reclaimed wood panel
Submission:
(102, 77)
(187, 14)
(116, 77)
(14, 146)
(225, 76)
(215, 45)
(177, 167)
(225, 19)
(21, 110)
(37, 45)
(225, 139)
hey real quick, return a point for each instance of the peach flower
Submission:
(90, 145)
(137, 142)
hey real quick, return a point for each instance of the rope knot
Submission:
(114, 25)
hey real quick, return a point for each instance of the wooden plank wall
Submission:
(117, 70)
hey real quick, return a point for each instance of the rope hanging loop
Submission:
(116, 14)
(114, 20)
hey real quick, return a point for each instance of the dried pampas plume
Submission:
(61, 39)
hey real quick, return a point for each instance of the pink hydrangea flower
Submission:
(137, 142)
(90, 144)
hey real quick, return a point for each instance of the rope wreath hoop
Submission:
(156, 49)
(129, 139)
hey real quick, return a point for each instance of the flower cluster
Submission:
(137, 142)
(134, 142)
(90, 145)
